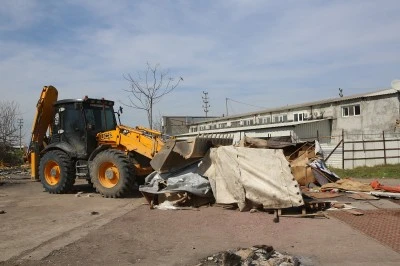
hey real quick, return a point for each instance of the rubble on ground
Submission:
(348, 185)
(7, 174)
(256, 255)
(256, 175)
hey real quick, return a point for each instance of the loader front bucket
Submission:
(177, 154)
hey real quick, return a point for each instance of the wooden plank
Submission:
(362, 196)
(321, 195)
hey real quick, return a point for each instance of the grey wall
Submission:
(377, 115)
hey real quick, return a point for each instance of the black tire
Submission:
(57, 172)
(112, 174)
(89, 181)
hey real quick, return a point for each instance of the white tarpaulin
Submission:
(247, 175)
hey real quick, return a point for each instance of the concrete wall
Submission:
(378, 114)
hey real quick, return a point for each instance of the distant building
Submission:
(175, 125)
(369, 124)
(356, 114)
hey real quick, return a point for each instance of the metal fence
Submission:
(370, 149)
(350, 150)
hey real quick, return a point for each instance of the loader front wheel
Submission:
(56, 172)
(112, 174)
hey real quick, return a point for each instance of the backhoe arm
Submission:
(41, 123)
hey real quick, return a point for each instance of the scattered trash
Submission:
(94, 213)
(184, 187)
(348, 185)
(356, 213)
(256, 255)
(377, 186)
(78, 194)
(90, 195)
(5, 171)
(168, 205)
(386, 194)
(362, 196)
(340, 206)
(321, 172)
(321, 195)
(2, 211)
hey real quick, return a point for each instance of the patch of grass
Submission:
(378, 171)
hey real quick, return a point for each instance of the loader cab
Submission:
(77, 122)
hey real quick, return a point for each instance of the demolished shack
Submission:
(251, 177)
(256, 173)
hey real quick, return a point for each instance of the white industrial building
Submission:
(357, 117)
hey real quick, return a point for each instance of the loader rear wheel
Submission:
(56, 172)
(112, 174)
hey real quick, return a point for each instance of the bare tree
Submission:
(148, 88)
(158, 122)
(8, 123)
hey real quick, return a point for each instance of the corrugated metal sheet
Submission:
(336, 158)
(309, 131)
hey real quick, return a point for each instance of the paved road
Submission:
(43, 229)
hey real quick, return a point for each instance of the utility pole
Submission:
(20, 123)
(226, 106)
(205, 101)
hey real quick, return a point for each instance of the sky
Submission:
(261, 53)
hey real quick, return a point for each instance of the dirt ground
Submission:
(42, 229)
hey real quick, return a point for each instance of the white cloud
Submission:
(251, 51)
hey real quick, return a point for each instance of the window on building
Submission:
(264, 120)
(280, 118)
(351, 110)
(357, 110)
(300, 117)
(235, 124)
(249, 122)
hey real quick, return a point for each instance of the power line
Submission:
(226, 103)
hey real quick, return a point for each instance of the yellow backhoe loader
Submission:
(80, 138)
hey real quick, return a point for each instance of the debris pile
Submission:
(182, 188)
(7, 174)
(288, 179)
(242, 176)
(256, 255)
